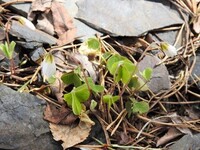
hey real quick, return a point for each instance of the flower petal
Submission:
(26, 22)
(168, 49)
(48, 67)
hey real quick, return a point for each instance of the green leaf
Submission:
(147, 73)
(94, 87)
(121, 68)
(140, 107)
(68, 98)
(8, 50)
(137, 84)
(82, 93)
(134, 82)
(93, 43)
(90, 47)
(113, 59)
(93, 105)
(12, 46)
(128, 68)
(76, 97)
(71, 78)
(76, 105)
(110, 100)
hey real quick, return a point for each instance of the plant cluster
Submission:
(119, 80)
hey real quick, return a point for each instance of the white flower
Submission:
(48, 67)
(26, 22)
(168, 49)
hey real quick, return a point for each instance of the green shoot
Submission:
(8, 50)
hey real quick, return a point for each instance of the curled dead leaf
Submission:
(171, 134)
(69, 134)
(61, 115)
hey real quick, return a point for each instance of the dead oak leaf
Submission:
(70, 135)
(63, 24)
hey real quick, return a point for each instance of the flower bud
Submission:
(168, 49)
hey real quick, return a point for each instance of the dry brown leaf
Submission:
(70, 135)
(58, 87)
(63, 24)
(61, 115)
(39, 6)
(171, 134)
(86, 64)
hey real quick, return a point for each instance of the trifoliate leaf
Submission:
(121, 68)
(76, 97)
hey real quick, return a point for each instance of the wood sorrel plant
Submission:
(123, 72)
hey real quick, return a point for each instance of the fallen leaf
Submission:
(171, 134)
(63, 24)
(61, 115)
(178, 120)
(86, 64)
(70, 135)
(57, 87)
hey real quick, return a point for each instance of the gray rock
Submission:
(160, 78)
(29, 35)
(83, 30)
(127, 18)
(21, 8)
(187, 142)
(37, 54)
(22, 126)
(167, 36)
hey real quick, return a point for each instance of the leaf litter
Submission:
(140, 125)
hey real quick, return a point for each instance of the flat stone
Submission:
(167, 36)
(160, 78)
(30, 35)
(187, 142)
(127, 18)
(22, 126)
(37, 54)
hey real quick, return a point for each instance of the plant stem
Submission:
(12, 66)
